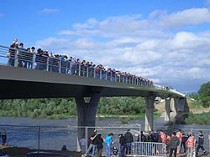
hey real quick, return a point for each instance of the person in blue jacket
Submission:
(108, 143)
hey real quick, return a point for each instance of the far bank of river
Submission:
(52, 134)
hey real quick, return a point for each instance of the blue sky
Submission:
(166, 41)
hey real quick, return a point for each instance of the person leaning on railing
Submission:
(42, 60)
(11, 53)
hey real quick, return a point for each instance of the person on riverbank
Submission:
(92, 145)
(190, 144)
(174, 142)
(99, 145)
(83, 143)
(4, 137)
(179, 135)
(200, 143)
(183, 143)
(64, 148)
(122, 145)
(108, 143)
(128, 140)
(162, 137)
(168, 139)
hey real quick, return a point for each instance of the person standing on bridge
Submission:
(174, 142)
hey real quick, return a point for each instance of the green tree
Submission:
(204, 94)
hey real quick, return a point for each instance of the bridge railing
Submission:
(17, 57)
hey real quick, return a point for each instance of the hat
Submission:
(33, 48)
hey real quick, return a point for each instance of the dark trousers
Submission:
(184, 146)
(171, 152)
(128, 148)
(200, 147)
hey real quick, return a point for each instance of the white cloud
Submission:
(136, 45)
(193, 16)
(49, 11)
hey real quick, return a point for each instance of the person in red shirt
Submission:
(190, 144)
(179, 135)
(168, 138)
(162, 137)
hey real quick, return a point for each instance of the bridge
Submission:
(25, 74)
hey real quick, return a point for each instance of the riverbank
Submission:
(21, 151)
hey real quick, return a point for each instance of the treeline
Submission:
(64, 108)
(202, 98)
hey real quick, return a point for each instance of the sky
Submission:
(166, 41)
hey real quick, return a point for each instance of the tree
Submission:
(204, 94)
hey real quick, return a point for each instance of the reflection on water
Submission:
(52, 134)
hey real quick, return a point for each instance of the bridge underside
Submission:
(26, 83)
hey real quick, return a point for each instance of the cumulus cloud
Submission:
(140, 46)
(193, 16)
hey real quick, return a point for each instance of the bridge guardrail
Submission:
(21, 58)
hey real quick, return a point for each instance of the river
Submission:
(52, 134)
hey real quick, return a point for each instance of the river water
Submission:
(52, 134)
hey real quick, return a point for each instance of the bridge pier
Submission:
(181, 107)
(167, 109)
(149, 113)
(86, 112)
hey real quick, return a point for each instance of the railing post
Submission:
(39, 132)
(16, 58)
(111, 76)
(100, 74)
(33, 61)
(47, 63)
(79, 70)
(87, 71)
(94, 72)
(60, 65)
(70, 70)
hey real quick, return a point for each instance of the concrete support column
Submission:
(149, 113)
(167, 109)
(86, 112)
(181, 106)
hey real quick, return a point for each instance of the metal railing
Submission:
(21, 58)
(148, 149)
(17, 57)
(41, 137)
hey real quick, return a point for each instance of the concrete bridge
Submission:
(32, 82)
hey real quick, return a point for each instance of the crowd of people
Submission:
(96, 142)
(176, 143)
(45, 60)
